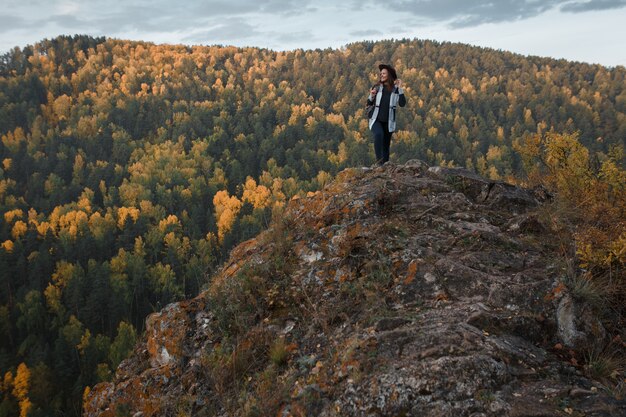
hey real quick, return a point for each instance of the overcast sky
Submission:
(593, 31)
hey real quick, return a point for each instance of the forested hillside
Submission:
(130, 169)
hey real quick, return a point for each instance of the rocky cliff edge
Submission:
(403, 290)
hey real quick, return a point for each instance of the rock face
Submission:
(395, 291)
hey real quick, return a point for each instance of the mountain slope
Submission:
(402, 290)
(130, 170)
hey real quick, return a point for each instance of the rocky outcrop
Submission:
(396, 291)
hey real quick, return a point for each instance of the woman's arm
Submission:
(402, 97)
(372, 97)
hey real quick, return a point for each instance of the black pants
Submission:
(382, 141)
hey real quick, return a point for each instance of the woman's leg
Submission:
(379, 139)
(386, 145)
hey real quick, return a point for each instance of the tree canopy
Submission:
(129, 169)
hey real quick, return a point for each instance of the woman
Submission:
(386, 95)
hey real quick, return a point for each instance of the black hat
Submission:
(389, 68)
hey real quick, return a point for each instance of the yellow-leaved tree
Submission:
(592, 193)
(21, 386)
(226, 210)
(257, 195)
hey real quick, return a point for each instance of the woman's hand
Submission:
(373, 91)
(398, 83)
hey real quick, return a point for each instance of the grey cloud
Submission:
(222, 8)
(234, 31)
(11, 4)
(283, 6)
(586, 6)
(143, 19)
(228, 30)
(291, 37)
(358, 5)
(163, 16)
(117, 16)
(366, 33)
(225, 21)
(68, 21)
(151, 19)
(8, 23)
(298, 12)
(462, 13)
(241, 7)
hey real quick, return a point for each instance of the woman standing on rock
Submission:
(384, 97)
